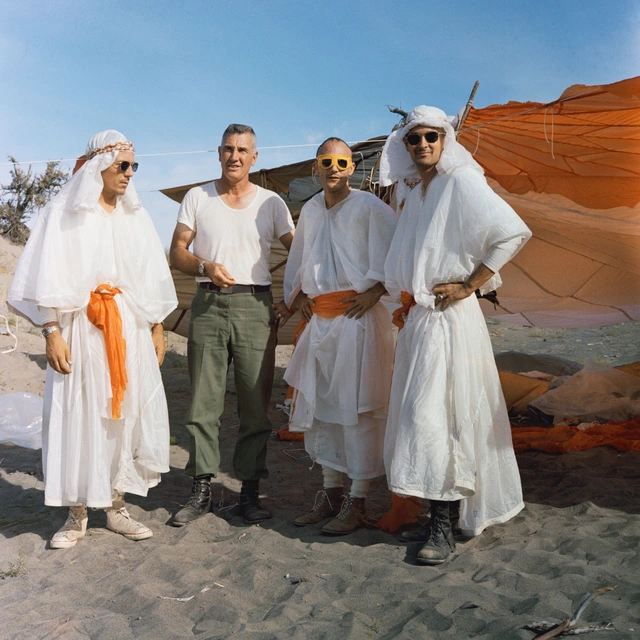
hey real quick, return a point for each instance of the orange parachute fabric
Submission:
(584, 146)
(404, 510)
(571, 169)
(623, 436)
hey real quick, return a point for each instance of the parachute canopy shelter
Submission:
(570, 168)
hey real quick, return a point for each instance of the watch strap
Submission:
(47, 331)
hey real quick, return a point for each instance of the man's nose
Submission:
(129, 172)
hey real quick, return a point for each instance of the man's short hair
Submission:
(238, 129)
(332, 139)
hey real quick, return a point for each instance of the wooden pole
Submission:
(467, 108)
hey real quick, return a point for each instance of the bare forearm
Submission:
(183, 260)
(378, 289)
(481, 275)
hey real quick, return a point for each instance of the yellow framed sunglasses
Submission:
(331, 160)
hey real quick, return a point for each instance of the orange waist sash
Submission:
(103, 312)
(327, 305)
(402, 312)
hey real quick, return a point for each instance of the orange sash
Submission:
(103, 312)
(327, 305)
(401, 313)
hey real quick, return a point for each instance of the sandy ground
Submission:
(580, 531)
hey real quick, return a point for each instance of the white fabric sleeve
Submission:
(47, 314)
(187, 213)
(501, 252)
(292, 283)
(282, 220)
(382, 225)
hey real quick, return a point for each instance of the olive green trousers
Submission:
(238, 327)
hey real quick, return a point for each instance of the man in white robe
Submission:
(341, 366)
(94, 275)
(448, 436)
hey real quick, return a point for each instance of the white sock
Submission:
(332, 478)
(359, 488)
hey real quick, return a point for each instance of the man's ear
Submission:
(220, 154)
(255, 158)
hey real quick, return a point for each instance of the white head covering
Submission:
(396, 164)
(83, 190)
(64, 258)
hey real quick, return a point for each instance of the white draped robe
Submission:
(341, 367)
(86, 454)
(448, 434)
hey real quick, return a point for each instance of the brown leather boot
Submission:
(326, 505)
(352, 516)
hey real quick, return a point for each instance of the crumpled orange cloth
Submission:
(623, 436)
(401, 313)
(403, 511)
(103, 312)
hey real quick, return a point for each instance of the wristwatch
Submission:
(201, 268)
(47, 331)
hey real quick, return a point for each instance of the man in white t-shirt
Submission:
(232, 224)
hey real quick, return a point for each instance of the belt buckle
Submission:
(225, 290)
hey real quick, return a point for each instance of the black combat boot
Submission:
(421, 535)
(250, 506)
(199, 503)
(454, 515)
(440, 542)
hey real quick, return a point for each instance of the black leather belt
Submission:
(236, 288)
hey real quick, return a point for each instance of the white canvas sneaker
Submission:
(119, 521)
(72, 530)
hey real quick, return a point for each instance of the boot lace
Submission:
(346, 507)
(196, 493)
(321, 496)
(74, 520)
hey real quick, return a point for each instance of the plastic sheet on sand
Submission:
(21, 419)
(594, 394)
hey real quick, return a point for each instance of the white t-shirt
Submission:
(239, 239)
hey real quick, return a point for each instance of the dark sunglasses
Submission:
(414, 138)
(125, 164)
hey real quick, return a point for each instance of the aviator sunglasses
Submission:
(414, 138)
(329, 160)
(125, 164)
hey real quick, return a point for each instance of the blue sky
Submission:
(172, 75)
